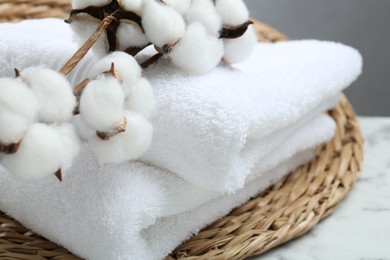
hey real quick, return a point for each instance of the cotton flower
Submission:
(101, 103)
(197, 52)
(18, 110)
(125, 146)
(239, 49)
(36, 135)
(115, 106)
(54, 94)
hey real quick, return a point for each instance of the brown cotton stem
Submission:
(80, 54)
(9, 148)
(80, 87)
(77, 91)
(17, 72)
(58, 174)
(230, 32)
(113, 72)
(119, 128)
(151, 60)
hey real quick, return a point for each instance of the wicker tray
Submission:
(287, 210)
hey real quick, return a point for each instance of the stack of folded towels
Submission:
(219, 139)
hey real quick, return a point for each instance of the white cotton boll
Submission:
(141, 99)
(204, 12)
(238, 50)
(162, 24)
(130, 35)
(197, 52)
(70, 144)
(125, 65)
(128, 145)
(232, 12)
(81, 4)
(39, 154)
(180, 6)
(131, 5)
(101, 103)
(84, 27)
(54, 94)
(18, 109)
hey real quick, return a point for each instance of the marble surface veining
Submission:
(360, 227)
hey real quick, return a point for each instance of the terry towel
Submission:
(131, 210)
(212, 129)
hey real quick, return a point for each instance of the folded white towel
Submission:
(135, 211)
(212, 129)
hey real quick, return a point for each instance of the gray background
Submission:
(363, 24)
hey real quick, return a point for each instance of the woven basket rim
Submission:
(289, 209)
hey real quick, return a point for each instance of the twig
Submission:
(17, 72)
(58, 174)
(151, 60)
(119, 128)
(10, 148)
(234, 32)
(79, 55)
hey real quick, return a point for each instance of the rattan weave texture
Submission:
(287, 210)
(16, 10)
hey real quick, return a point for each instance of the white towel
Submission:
(101, 230)
(212, 129)
(134, 211)
(315, 132)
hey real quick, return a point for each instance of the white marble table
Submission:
(360, 227)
